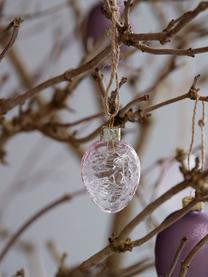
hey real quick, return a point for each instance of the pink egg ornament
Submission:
(110, 171)
(111, 174)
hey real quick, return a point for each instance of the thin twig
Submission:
(38, 14)
(190, 52)
(171, 101)
(127, 9)
(134, 269)
(132, 103)
(190, 256)
(176, 257)
(15, 29)
(77, 122)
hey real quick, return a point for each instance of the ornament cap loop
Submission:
(198, 207)
(111, 134)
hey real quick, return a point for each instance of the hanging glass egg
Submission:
(111, 171)
(193, 226)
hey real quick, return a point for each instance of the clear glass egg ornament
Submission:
(110, 171)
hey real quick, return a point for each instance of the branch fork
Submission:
(120, 245)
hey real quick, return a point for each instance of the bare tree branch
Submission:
(15, 24)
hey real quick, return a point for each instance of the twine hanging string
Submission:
(202, 123)
(115, 56)
(193, 129)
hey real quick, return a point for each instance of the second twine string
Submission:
(202, 124)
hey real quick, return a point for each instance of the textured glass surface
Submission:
(111, 174)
